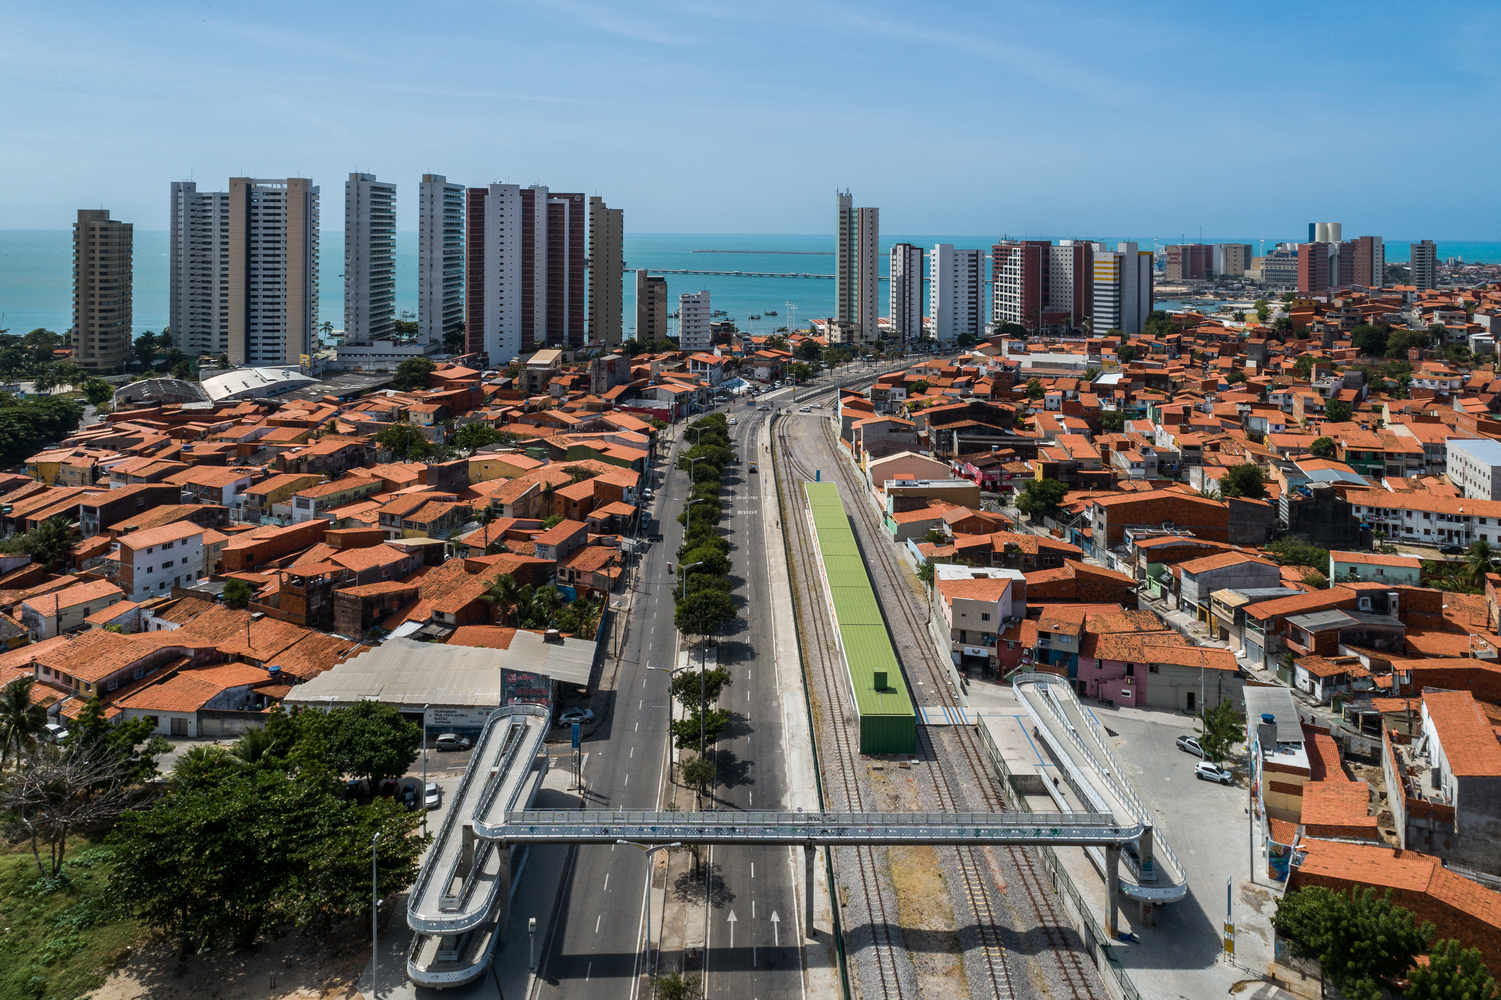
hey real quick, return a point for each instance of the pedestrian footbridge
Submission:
(1152, 873)
(459, 905)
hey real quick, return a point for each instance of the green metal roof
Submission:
(862, 629)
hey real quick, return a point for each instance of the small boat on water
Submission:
(771, 312)
(753, 316)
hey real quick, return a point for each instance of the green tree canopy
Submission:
(1337, 410)
(370, 740)
(1126, 352)
(236, 847)
(1243, 480)
(685, 731)
(412, 374)
(685, 686)
(1113, 421)
(1322, 447)
(1035, 389)
(1296, 552)
(1363, 941)
(477, 435)
(97, 392)
(1398, 342)
(49, 545)
(1220, 728)
(1369, 339)
(1453, 972)
(702, 612)
(237, 593)
(1039, 496)
(405, 442)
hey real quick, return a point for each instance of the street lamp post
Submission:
(424, 770)
(649, 852)
(688, 510)
(374, 914)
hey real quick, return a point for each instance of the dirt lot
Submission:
(297, 967)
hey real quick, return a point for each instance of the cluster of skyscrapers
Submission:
(501, 271)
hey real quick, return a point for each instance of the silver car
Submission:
(432, 796)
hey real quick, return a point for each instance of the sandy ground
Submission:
(296, 967)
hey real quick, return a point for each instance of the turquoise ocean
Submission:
(36, 273)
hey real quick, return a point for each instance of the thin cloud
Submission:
(607, 20)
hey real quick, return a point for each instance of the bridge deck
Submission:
(604, 827)
(1079, 745)
(458, 885)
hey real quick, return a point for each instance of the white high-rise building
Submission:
(1122, 288)
(906, 293)
(369, 259)
(273, 270)
(857, 244)
(440, 260)
(693, 322)
(956, 293)
(198, 244)
(501, 338)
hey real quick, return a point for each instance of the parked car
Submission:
(647, 494)
(55, 732)
(432, 796)
(1205, 771)
(1453, 550)
(1191, 745)
(805, 409)
(409, 797)
(388, 788)
(451, 741)
(573, 715)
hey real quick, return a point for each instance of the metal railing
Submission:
(1095, 938)
(562, 826)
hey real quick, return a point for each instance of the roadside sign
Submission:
(575, 736)
(1229, 938)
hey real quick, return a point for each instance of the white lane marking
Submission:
(596, 922)
(753, 909)
(627, 781)
(753, 869)
(633, 751)
(752, 802)
(638, 727)
(607, 882)
(589, 972)
(640, 703)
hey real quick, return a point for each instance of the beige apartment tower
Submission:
(273, 270)
(606, 263)
(101, 290)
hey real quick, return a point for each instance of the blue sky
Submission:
(1034, 119)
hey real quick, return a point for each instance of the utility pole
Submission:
(374, 914)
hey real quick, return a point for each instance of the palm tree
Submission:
(544, 604)
(21, 722)
(503, 592)
(586, 616)
(1479, 560)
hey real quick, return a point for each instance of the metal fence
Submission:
(1117, 980)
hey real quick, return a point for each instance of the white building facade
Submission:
(956, 293)
(154, 561)
(1122, 288)
(502, 273)
(198, 245)
(693, 321)
(440, 260)
(369, 259)
(906, 293)
(1475, 467)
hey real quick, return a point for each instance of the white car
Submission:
(1206, 771)
(732, 421)
(432, 796)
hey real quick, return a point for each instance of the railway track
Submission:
(818, 641)
(1074, 970)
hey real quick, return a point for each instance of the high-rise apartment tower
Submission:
(1424, 258)
(273, 270)
(440, 261)
(369, 259)
(693, 322)
(651, 307)
(606, 265)
(102, 271)
(1045, 288)
(857, 244)
(198, 254)
(956, 293)
(524, 270)
(906, 293)
(1122, 288)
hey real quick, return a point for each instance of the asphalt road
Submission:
(595, 944)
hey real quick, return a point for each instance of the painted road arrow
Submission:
(776, 928)
(732, 928)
